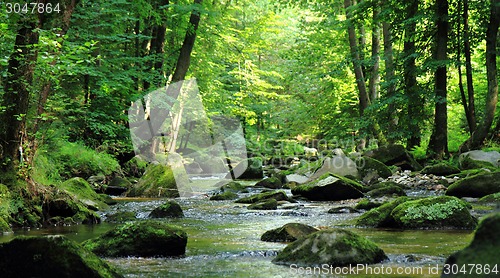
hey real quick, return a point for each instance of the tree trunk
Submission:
(184, 59)
(180, 72)
(364, 99)
(477, 138)
(438, 145)
(374, 81)
(468, 69)
(415, 101)
(16, 98)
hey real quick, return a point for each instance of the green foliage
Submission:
(53, 164)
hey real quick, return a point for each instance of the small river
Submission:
(224, 240)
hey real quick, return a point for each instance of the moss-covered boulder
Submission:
(492, 198)
(394, 155)
(227, 195)
(440, 169)
(117, 186)
(170, 209)
(157, 181)
(267, 204)
(232, 186)
(367, 204)
(340, 165)
(62, 208)
(479, 159)
(367, 165)
(335, 247)
(81, 190)
(248, 169)
(135, 167)
(476, 186)
(121, 217)
(288, 232)
(482, 251)
(342, 209)
(272, 183)
(380, 216)
(434, 213)
(142, 238)
(50, 256)
(278, 195)
(391, 190)
(330, 187)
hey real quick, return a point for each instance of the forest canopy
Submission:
(419, 73)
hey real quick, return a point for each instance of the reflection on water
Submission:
(224, 240)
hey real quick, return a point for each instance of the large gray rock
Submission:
(50, 256)
(300, 179)
(492, 158)
(339, 164)
(335, 247)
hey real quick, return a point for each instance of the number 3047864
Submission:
(32, 8)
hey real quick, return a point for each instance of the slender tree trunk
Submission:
(477, 138)
(415, 101)
(187, 46)
(17, 87)
(469, 113)
(374, 81)
(438, 145)
(181, 69)
(364, 99)
(468, 69)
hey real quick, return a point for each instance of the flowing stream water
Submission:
(224, 241)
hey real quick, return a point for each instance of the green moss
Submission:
(53, 256)
(170, 209)
(380, 216)
(367, 204)
(157, 181)
(492, 198)
(476, 186)
(81, 190)
(233, 186)
(483, 250)
(135, 167)
(267, 204)
(121, 217)
(390, 190)
(227, 195)
(330, 187)
(367, 164)
(334, 247)
(288, 233)
(278, 195)
(434, 212)
(272, 182)
(141, 238)
(468, 163)
(440, 169)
